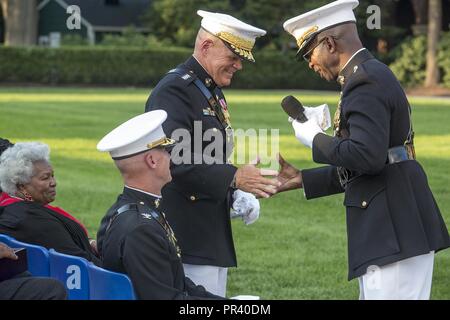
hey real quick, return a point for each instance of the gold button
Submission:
(192, 198)
(364, 204)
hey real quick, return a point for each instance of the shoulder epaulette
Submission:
(187, 76)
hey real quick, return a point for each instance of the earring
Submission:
(25, 195)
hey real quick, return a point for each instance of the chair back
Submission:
(38, 257)
(72, 271)
(109, 285)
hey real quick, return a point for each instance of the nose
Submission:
(238, 64)
(311, 65)
(53, 182)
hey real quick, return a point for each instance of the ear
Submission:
(150, 160)
(206, 45)
(331, 44)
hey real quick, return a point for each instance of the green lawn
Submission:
(297, 249)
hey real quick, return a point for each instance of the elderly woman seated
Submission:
(26, 176)
(4, 144)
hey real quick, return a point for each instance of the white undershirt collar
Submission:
(352, 58)
(150, 194)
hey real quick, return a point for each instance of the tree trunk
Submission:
(20, 21)
(420, 11)
(434, 29)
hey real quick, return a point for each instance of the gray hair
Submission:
(17, 164)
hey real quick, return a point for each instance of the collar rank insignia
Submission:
(156, 202)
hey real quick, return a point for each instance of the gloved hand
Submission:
(306, 131)
(245, 205)
(320, 114)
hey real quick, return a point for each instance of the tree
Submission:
(434, 30)
(20, 20)
(177, 21)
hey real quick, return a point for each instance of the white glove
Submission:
(306, 131)
(320, 114)
(245, 205)
(245, 297)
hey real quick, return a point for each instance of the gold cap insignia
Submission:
(306, 35)
(163, 142)
(240, 46)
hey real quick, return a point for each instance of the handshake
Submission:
(263, 183)
(252, 183)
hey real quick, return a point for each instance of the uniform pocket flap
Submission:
(362, 191)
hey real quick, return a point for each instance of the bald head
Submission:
(332, 48)
(132, 167)
(346, 37)
(148, 171)
(203, 36)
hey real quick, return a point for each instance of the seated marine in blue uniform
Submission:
(134, 236)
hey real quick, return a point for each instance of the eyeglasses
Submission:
(308, 54)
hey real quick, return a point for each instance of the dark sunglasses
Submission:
(308, 54)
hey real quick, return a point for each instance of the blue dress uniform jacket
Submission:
(391, 212)
(197, 201)
(137, 244)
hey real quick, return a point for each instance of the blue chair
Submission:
(5, 238)
(38, 257)
(108, 285)
(73, 272)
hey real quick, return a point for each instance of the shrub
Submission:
(102, 65)
(410, 63)
(444, 58)
(409, 67)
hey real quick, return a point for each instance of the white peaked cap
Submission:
(238, 36)
(137, 135)
(305, 26)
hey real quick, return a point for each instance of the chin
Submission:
(49, 201)
(328, 78)
(225, 83)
